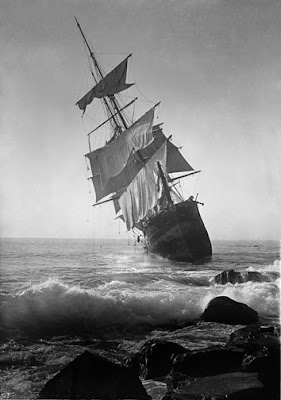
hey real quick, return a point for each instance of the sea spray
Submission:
(57, 296)
(53, 307)
(262, 297)
(274, 268)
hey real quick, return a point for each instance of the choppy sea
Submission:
(59, 297)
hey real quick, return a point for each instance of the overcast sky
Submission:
(215, 66)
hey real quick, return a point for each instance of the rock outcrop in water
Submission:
(224, 310)
(90, 376)
(231, 276)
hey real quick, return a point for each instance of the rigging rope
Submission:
(82, 80)
(148, 100)
(195, 187)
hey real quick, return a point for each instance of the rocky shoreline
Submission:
(247, 366)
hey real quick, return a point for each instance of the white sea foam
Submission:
(264, 297)
(55, 306)
(116, 303)
(274, 267)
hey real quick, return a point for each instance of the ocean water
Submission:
(59, 297)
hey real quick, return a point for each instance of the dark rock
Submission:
(263, 335)
(253, 359)
(32, 361)
(211, 361)
(266, 361)
(248, 367)
(222, 309)
(268, 366)
(155, 358)
(254, 276)
(25, 358)
(233, 277)
(234, 386)
(155, 389)
(262, 353)
(227, 277)
(90, 376)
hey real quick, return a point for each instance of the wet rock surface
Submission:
(222, 309)
(261, 347)
(155, 358)
(246, 367)
(234, 386)
(231, 276)
(258, 334)
(90, 376)
(211, 361)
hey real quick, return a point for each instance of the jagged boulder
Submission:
(247, 367)
(234, 386)
(261, 345)
(91, 376)
(155, 358)
(233, 277)
(205, 362)
(266, 361)
(222, 309)
(227, 277)
(263, 335)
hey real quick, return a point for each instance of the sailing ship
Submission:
(137, 169)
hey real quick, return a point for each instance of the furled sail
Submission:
(110, 160)
(175, 163)
(112, 83)
(142, 194)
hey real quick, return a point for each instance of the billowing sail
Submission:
(175, 163)
(110, 160)
(112, 83)
(142, 194)
(135, 170)
(120, 181)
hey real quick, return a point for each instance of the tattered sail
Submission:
(110, 160)
(143, 193)
(112, 83)
(134, 167)
(175, 163)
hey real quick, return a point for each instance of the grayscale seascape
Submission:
(62, 296)
(140, 199)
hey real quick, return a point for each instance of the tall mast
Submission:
(165, 184)
(101, 76)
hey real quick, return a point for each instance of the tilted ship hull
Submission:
(178, 233)
(138, 167)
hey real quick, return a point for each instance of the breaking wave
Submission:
(55, 308)
(267, 269)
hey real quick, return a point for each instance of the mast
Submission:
(112, 99)
(165, 184)
(127, 105)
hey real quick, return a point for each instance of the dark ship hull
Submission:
(178, 233)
